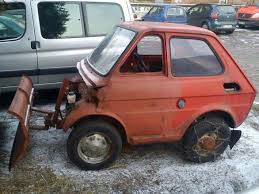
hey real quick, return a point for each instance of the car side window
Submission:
(12, 20)
(193, 57)
(175, 12)
(155, 11)
(97, 13)
(194, 10)
(206, 10)
(60, 20)
(146, 57)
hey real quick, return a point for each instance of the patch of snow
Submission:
(156, 168)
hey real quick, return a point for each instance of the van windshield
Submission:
(104, 57)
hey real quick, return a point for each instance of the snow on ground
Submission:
(154, 168)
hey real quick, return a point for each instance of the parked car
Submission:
(166, 13)
(186, 86)
(248, 16)
(217, 18)
(52, 37)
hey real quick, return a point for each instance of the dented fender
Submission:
(85, 109)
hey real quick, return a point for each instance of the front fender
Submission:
(84, 109)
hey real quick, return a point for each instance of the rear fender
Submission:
(208, 109)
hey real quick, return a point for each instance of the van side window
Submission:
(193, 57)
(60, 20)
(100, 18)
(12, 20)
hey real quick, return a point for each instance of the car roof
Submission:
(140, 26)
(166, 5)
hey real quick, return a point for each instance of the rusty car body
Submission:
(192, 90)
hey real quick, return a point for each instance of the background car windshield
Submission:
(110, 49)
(226, 9)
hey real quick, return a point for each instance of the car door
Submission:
(198, 73)
(193, 15)
(17, 57)
(67, 31)
(140, 98)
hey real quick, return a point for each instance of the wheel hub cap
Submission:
(94, 148)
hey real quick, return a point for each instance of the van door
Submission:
(67, 31)
(17, 56)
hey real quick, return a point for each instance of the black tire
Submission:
(205, 26)
(230, 32)
(211, 128)
(241, 26)
(86, 129)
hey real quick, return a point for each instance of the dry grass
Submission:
(26, 180)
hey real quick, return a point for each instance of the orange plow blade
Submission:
(21, 109)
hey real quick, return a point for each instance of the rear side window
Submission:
(12, 20)
(175, 11)
(60, 20)
(193, 57)
(226, 9)
(101, 18)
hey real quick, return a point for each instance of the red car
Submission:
(248, 16)
(147, 83)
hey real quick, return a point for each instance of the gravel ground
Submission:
(243, 44)
(157, 168)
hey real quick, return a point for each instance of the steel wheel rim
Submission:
(94, 148)
(207, 144)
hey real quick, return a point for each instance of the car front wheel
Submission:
(94, 145)
(205, 140)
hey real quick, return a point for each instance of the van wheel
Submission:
(205, 26)
(206, 140)
(94, 145)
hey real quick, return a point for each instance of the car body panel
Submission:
(52, 59)
(202, 14)
(146, 104)
(245, 16)
(163, 16)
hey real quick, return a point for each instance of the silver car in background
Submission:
(45, 39)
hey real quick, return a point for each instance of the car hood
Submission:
(90, 77)
(249, 10)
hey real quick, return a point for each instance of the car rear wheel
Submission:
(206, 140)
(94, 145)
(205, 26)
(241, 26)
(230, 32)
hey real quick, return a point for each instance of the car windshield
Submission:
(110, 49)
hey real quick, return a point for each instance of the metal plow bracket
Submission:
(20, 108)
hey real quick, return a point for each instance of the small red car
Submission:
(248, 16)
(148, 83)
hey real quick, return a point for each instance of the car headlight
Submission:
(256, 15)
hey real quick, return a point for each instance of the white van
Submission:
(45, 38)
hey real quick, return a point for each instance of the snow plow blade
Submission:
(20, 108)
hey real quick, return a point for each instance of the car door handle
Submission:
(35, 44)
(231, 87)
